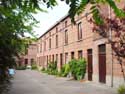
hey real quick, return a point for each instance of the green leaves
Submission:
(52, 68)
(50, 3)
(96, 15)
(78, 6)
(67, 1)
(119, 12)
(78, 68)
(82, 6)
(15, 20)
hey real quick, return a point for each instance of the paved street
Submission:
(33, 82)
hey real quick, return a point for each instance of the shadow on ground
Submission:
(5, 87)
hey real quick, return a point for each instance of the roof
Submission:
(62, 19)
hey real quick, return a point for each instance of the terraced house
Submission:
(65, 41)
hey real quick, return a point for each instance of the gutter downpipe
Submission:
(110, 39)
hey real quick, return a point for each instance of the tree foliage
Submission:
(15, 20)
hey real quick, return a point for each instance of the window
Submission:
(66, 58)
(66, 37)
(50, 43)
(72, 55)
(53, 58)
(79, 31)
(57, 57)
(61, 60)
(56, 29)
(47, 61)
(49, 58)
(56, 41)
(39, 62)
(65, 23)
(41, 47)
(32, 61)
(44, 45)
(26, 61)
(79, 54)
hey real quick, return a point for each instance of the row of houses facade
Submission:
(65, 41)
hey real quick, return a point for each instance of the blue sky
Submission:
(50, 18)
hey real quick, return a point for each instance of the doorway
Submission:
(90, 64)
(61, 60)
(102, 63)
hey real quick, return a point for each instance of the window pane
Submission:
(66, 58)
(79, 54)
(79, 31)
(50, 43)
(72, 55)
(56, 40)
(66, 37)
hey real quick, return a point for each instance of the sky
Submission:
(50, 18)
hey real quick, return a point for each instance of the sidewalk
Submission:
(85, 87)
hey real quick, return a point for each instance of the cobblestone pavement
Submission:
(33, 82)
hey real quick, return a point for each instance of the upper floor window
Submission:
(65, 23)
(79, 54)
(50, 43)
(79, 31)
(44, 45)
(41, 47)
(56, 29)
(66, 36)
(56, 40)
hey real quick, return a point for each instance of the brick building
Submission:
(30, 56)
(65, 41)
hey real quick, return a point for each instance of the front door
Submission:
(61, 60)
(26, 62)
(102, 63)
(90, 66)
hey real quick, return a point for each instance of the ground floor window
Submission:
(53, 58)
(32, 61)
(66, 58)
(80, 54)
(61, 60)
(56, 57)
(72, 55)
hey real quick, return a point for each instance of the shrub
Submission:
(52, 68)
(34, 67)
(43, 69)
(121, 89)
(78, 68)
(65, 70)
(21, 68)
